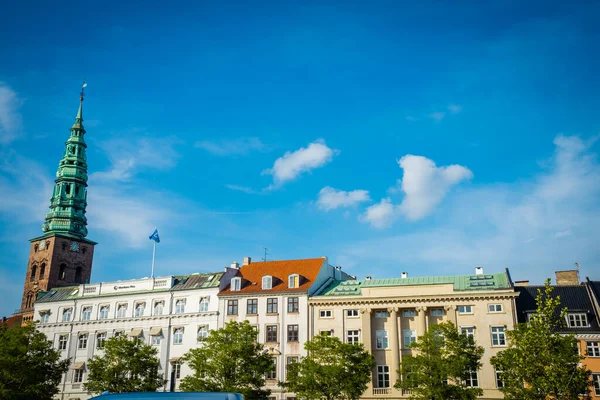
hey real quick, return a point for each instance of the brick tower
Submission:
(62, 256)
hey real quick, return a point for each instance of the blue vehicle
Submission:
(171, 396)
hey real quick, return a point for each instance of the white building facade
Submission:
(171, 313)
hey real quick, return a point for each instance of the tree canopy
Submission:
(541, 362)
(440, 366)
(30, 368)
(229, 360)
(331, 370)
(126, 366)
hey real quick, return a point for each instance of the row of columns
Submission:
(394, 338)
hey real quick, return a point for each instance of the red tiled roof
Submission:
(252, 274)
(10, 322)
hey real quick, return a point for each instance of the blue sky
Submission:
(429, 137)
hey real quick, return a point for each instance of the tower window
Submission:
(33, 272)
(64, 244)
(68, 189)
(42, 271)
(76, 190)
(62, 271)
(78, 275)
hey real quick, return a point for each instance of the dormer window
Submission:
(577, 320)
(294, 281)
(267, 282)
(236, 284)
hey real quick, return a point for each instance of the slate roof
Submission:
(252, 274)
(460, 283)
(183, 282)
(574, 297)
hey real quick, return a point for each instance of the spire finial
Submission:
(79, 117)
(82, 94)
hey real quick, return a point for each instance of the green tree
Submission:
(126, 366)
(440, 365)
(541, 362)
(229, 360)
(331, 370)
(29, 367)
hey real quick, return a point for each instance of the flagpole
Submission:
(153, 254)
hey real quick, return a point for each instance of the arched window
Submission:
(42, 270)
(78, 275)
(62, 271)
(180, 306)
(267, 282)
(35, 247)
(33, 273)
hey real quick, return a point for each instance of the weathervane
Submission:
(82, 94)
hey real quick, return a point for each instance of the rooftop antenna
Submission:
(265, 257)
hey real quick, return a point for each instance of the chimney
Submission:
(235, 265)
(368, 277)
(570, 277)
(478, 270)
(521, 283)
(247, 261)
(404, 275)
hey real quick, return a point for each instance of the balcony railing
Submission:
(380, 391)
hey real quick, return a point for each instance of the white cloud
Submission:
(380, 215)
(424, 185)
(10, 118)
(512, 225)
(236, 147)
(244, 189)
(330, 198)
(305, 159)
(455, 108)
(437, 116)
(129, 156)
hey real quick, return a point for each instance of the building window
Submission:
(100, 339)
(66, 315)
(294, 281)
(596, 381)
(204, 304)
(465, 309)
(62, 270)
(119, 333)
(292, 332)
(82, 341)
(272, 374)
(327, 332)
(499, 379)
(86, 313)
(33, 273)
(383, 376)
(593, 349)
(252, 306)
(42, 271)
(293, 304)
(437, 312)
(472, 379)
(494, 308)
(155, 340)
(382, 339)
(408, 313)
(410, 336)
(121, 310)
(236, 284)
(78, 277)
(139, 310)
(291, 360)
(352, 336)
(178, 336)
(179, 306)
(62, 342)
(232, 307)
(382, 314)
(104, 312)
(577, 320)
(45, 317)
(498, 336)
(267, 282)
(202, 333)
(78, 375)
(325, 314)
(352, 313)
(468, 331)
(272, 305)
(271, 336)
(176, 369)
(158, 307)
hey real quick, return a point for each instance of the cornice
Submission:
(386, 302)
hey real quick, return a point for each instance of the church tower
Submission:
(62, 256)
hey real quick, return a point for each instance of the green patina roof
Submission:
(460, 282)
(183, 282)
(69, 197)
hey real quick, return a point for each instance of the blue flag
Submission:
(154, 236)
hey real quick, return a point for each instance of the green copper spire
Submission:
(68, 202)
